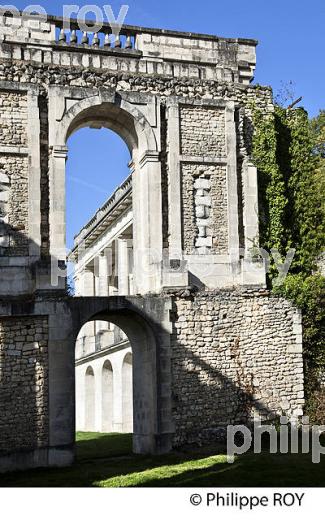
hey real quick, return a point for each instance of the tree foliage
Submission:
(289, 152)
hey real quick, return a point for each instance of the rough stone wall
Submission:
(234, 354)
(203, 131)
(45, 196)
(205, 209)
(13, 117)
(23, 383)
(14, 225)
(14, 167)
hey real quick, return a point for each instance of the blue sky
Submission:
(291, 49)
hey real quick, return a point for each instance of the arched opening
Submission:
(126, 314)
(89, 402)
(105, 406)
(127, 394)
(107, 397)
(103, 263)
(97, 169)
(130, 121)
(97, 165)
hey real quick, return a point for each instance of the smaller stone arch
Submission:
(107, 397)
(127, 393)
(90, 414)
(112, 111)
(138, 319)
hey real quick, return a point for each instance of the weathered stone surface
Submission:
(203, 131)
(14, 225)
(231, 360)
(23, 383)
(13, 116)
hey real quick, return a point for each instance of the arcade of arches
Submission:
(104, 393)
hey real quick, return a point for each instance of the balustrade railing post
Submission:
(96, 40)
(128, 43)
(73, 37)
(62, 36)
(117, 43)
(85, 39)
(107, 42)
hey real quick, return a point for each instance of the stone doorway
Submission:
(140, 405)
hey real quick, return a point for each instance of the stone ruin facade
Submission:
(210, 345)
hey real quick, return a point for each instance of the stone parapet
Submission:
(142, 50)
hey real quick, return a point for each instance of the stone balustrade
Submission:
(121, 194)
(103, 39)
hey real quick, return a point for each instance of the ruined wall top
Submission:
(150, 51)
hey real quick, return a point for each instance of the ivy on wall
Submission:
(272, 194)
(286, 151)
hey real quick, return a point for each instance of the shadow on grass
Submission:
(251, 470)
(106, 460)
(90, 446)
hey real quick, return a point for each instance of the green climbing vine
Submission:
(273, 200)
(290, 165)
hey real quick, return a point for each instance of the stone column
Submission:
(147, 227)
(88, 289)
(33, 127)
(253, 273)
(112, 271)
(123, 267)
(175, 197)
(103, 274)
(231, 140)
(102, 287)
(131, 267)
(57, 203)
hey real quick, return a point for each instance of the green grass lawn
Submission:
(106, 460)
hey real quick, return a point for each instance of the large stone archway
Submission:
(50, 407)
(127, 115)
